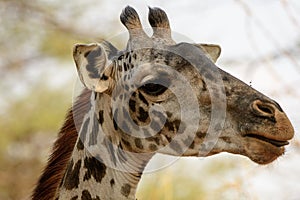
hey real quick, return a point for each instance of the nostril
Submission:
(263, 109)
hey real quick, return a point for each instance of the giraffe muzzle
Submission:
(270, 112)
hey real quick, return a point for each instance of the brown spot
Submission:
(126, 143)
(104, 77)
(153, 138)
(138, 143)
(101, 118)
(112, 182)
(169, 138)
(177, 124)
(225, 78)
(132, 105)
(72, 175)
(115, 119)
(169, 125)
(141, 97)
(80, 145)
(85, 195)
(156, 139)
(143, 115)
(134, 56)
(200, 134)
(226, 139)
(174, 126)
(192, 146)
(204, 87)
(74, 198)
(228, 92)
(152, 147)
(115, 124)
(169, 114)
(125, 190)
(95, 169)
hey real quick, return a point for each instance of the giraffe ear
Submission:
(91, 62)
(212, 51)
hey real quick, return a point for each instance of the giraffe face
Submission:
(171, 98)
(252, 125)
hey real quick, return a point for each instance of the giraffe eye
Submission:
(153, 89)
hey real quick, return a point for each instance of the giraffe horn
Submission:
(130, 19)
(159, 21)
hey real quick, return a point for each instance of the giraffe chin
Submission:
(262, 152)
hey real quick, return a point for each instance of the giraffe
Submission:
(135, 103)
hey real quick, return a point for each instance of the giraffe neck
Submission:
(87, 177)
(101, 165)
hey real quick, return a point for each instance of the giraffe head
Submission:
(160, 96)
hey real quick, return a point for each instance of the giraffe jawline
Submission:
(262, 150)
(273, 142)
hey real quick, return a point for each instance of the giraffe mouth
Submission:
(276, 143)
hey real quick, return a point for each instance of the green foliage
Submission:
(42, 110)
(210, 178)
(57, 45)
(170, 185)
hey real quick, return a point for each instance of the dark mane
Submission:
(62, 150)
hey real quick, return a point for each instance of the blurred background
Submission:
(260, 43)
